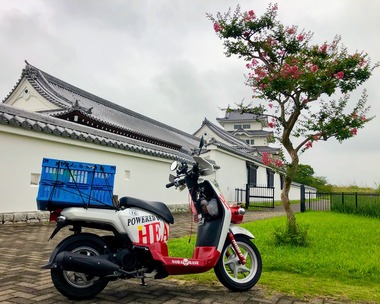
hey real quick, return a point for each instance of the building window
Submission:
(237, 127)
(252, 142)
(34, 179)
(282, 181)
(252, 174)
(270, 178)
(246, 126)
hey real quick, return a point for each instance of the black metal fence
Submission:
(255, 196)
(345, 202)
(316, 201)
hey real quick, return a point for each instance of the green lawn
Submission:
(342, 261)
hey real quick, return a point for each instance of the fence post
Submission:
(247, 196)
(356, 201)
(302, 199)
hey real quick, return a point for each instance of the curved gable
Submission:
(24, 96)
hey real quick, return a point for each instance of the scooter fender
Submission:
(242, 231)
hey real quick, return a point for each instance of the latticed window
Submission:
(270, 178)
(252, 174)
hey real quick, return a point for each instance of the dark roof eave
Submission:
(35, 122)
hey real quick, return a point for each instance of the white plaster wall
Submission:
(22, 152)
(232, 173)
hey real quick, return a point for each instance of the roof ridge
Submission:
(230, 138)
(106, 102)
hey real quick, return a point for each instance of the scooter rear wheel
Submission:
(75, 285)
(231, 273)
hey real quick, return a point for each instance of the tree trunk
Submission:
(292, 224)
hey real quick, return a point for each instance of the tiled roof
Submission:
(234, 141)
(67, 97)
(237, 116)
(256, 133)
(50, 125)
(70, 99)
(237, 145)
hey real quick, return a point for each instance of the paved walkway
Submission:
(24, 248)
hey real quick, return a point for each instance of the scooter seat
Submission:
(157, 208)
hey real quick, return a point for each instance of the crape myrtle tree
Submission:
(301, 87)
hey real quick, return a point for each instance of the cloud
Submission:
(163, 59)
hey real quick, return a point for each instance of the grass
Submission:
(342, 261)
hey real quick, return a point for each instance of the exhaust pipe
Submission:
(92, 265)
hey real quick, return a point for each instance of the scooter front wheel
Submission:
(229, 270)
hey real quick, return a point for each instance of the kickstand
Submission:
(143, 282)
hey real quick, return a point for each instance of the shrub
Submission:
(294, 237)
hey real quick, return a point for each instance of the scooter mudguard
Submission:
(240, 230)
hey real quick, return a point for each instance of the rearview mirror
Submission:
(174, 165)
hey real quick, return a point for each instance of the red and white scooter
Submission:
(83, 263)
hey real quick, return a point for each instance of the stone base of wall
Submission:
(43, 216)
(24, 217)
(177, 208)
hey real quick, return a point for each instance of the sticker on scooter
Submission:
(185, 262)
(133, 212)
(141, 220)
(152, 233)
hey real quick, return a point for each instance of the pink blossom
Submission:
(266, 159)
(291, 71)
(339, 75)
(314, 68)
(291, 30)
(354, 131)
(304, 101)
(316, 137)
(270, 105)
(217, 27)
(271, 125)
(249, 15)
(278, 163)
(309, 145)
(254, 62)
(274, 7)
(300, 37)
(248, 66)
(363, 118)
(323, 48)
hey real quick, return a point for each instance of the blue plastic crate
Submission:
(66, 183)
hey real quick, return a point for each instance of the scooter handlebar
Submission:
(170, 185)
(178, 181)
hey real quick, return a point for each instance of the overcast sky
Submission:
(161, 58)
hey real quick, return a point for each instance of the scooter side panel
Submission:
(94, 215)
(143, 228)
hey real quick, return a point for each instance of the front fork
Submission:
(236, 248)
